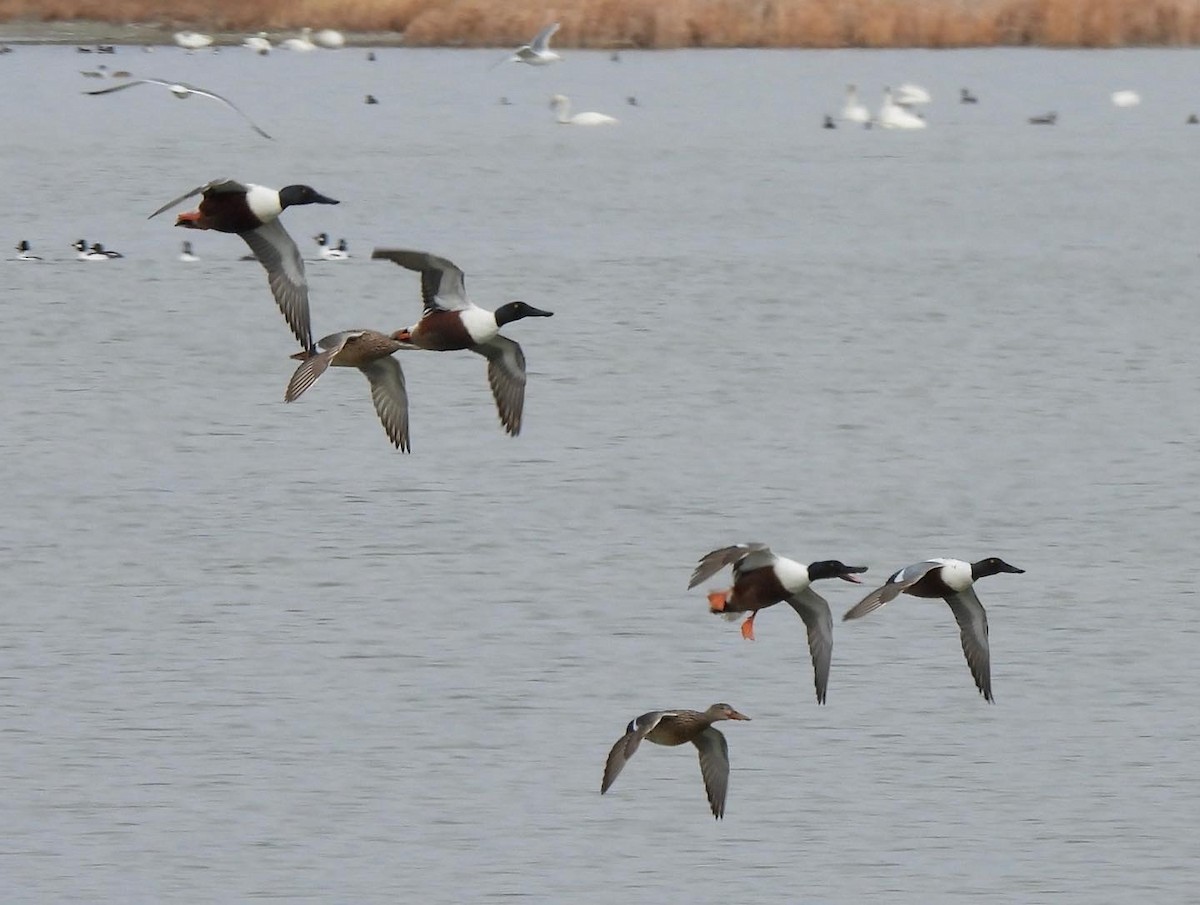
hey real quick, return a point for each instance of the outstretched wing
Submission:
(443, 284)
(714, 767)
(390, 398)
(278, 254)
(744, 556)
(973, 627)
(316, 364)
(627, 744)
(542, 40)
(814, 610)
(216, 187)
(506, 376)
(889, 590)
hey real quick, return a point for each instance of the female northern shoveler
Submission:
(252, 211)
(451, 322)
(762, 579)
(952, 580)
(370, 352)
(676, 727)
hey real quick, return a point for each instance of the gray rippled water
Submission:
(249, 651)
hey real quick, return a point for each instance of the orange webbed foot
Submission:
(748, 628)
(189, 219)
(717, 601)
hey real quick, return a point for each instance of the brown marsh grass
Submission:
(671, 23)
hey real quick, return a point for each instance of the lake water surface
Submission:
(247, 650)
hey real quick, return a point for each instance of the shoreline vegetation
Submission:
(624, 24)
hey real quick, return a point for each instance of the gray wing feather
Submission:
(506, 376)
(626, 746)
(814, 610)
(542, 40)
(390, 398)
(892, 588)
(714, 767)
(973, 627)
(443, 284)
(217, 186)
(713, 562)
(277, 253)
(316, 364)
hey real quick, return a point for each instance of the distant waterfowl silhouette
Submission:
(854, 110)
(562, 111)
(302, 44)
(966, 97)
(1046, 119)
(192, 40)
(896, 116)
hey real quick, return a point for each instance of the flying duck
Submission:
(952, 580)
(451, 322)
(252, 211)
(762, 579)
(677, 727)
(370, 352)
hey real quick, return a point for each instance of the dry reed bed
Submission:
(673, 23)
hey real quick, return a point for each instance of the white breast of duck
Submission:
(263, 202)
(480, 324)
(955, 573)
(791, 574)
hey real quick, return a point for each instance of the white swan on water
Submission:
(910, 95)
(855, 111)
(192, 40)
(895, 116)
(562, 109)
(302, 44)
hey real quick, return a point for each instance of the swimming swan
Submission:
(894, 116)
(855, 111)
(562, 109)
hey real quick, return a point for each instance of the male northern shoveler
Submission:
(952, 580)
(762, 579)
(677, 727)
(25, 251)
(451, 322)
(370, 352)
(252, 211)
